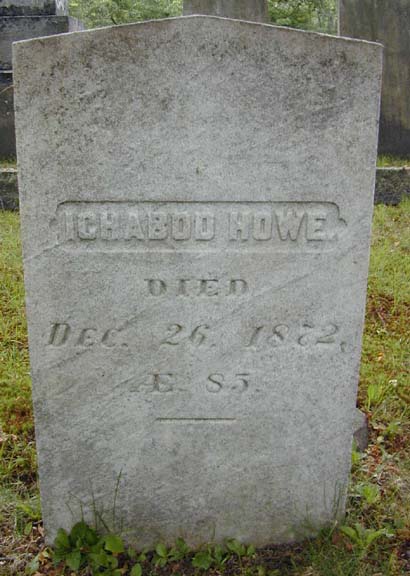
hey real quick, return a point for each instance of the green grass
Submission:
(380, 492)
(392, 161)
(8, 163)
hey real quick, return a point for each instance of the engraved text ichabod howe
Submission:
(199, 225)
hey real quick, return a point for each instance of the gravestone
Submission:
(386, 21)
(253, 10)
(196, 261)
(7, 133)
(33, 7)
(21, 20)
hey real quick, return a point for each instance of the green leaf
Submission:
(373, 535)
(28, 528)
(349, 532)
(82, 535)
(202, 559)
(219, 554)
(132, 553)
(136, 570)
(73, 560)
(181, 545)
(62, 541)
(251, 551)
(33, 566)
(161, 550)
(99, 559)
(236, 547)
(114, 544)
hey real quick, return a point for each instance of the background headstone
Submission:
(196, 261)
(14, 29)
(22, 20)
(7, 131)
(33, 7)
(9, 199)
(252, 10)
(386, 21)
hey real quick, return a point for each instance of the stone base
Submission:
(9, 198)
(7, 136)
(33, 7)
(14, 29)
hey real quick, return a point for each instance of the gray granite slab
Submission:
(253, 10)
(392, 185)
(33, 7)
(196, 259)
(387, 22)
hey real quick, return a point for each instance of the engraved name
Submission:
(199, 225)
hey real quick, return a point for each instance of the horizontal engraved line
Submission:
(220, 420)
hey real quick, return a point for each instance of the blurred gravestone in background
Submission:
(387, 22)
(21, 20)
(33, 7)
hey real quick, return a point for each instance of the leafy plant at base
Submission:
(203, 559)
(163, 555)
(368, 492)
(136, 570)
(240, 549)
(362, 537)
(84, 547)
(217, 556)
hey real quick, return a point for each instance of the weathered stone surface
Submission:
(392, 185)
(253, 10)
(9, 199)
(196, 265)
(33, 7)
(7, 135)
(15, 27)
(26, 27)
(386, 21)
